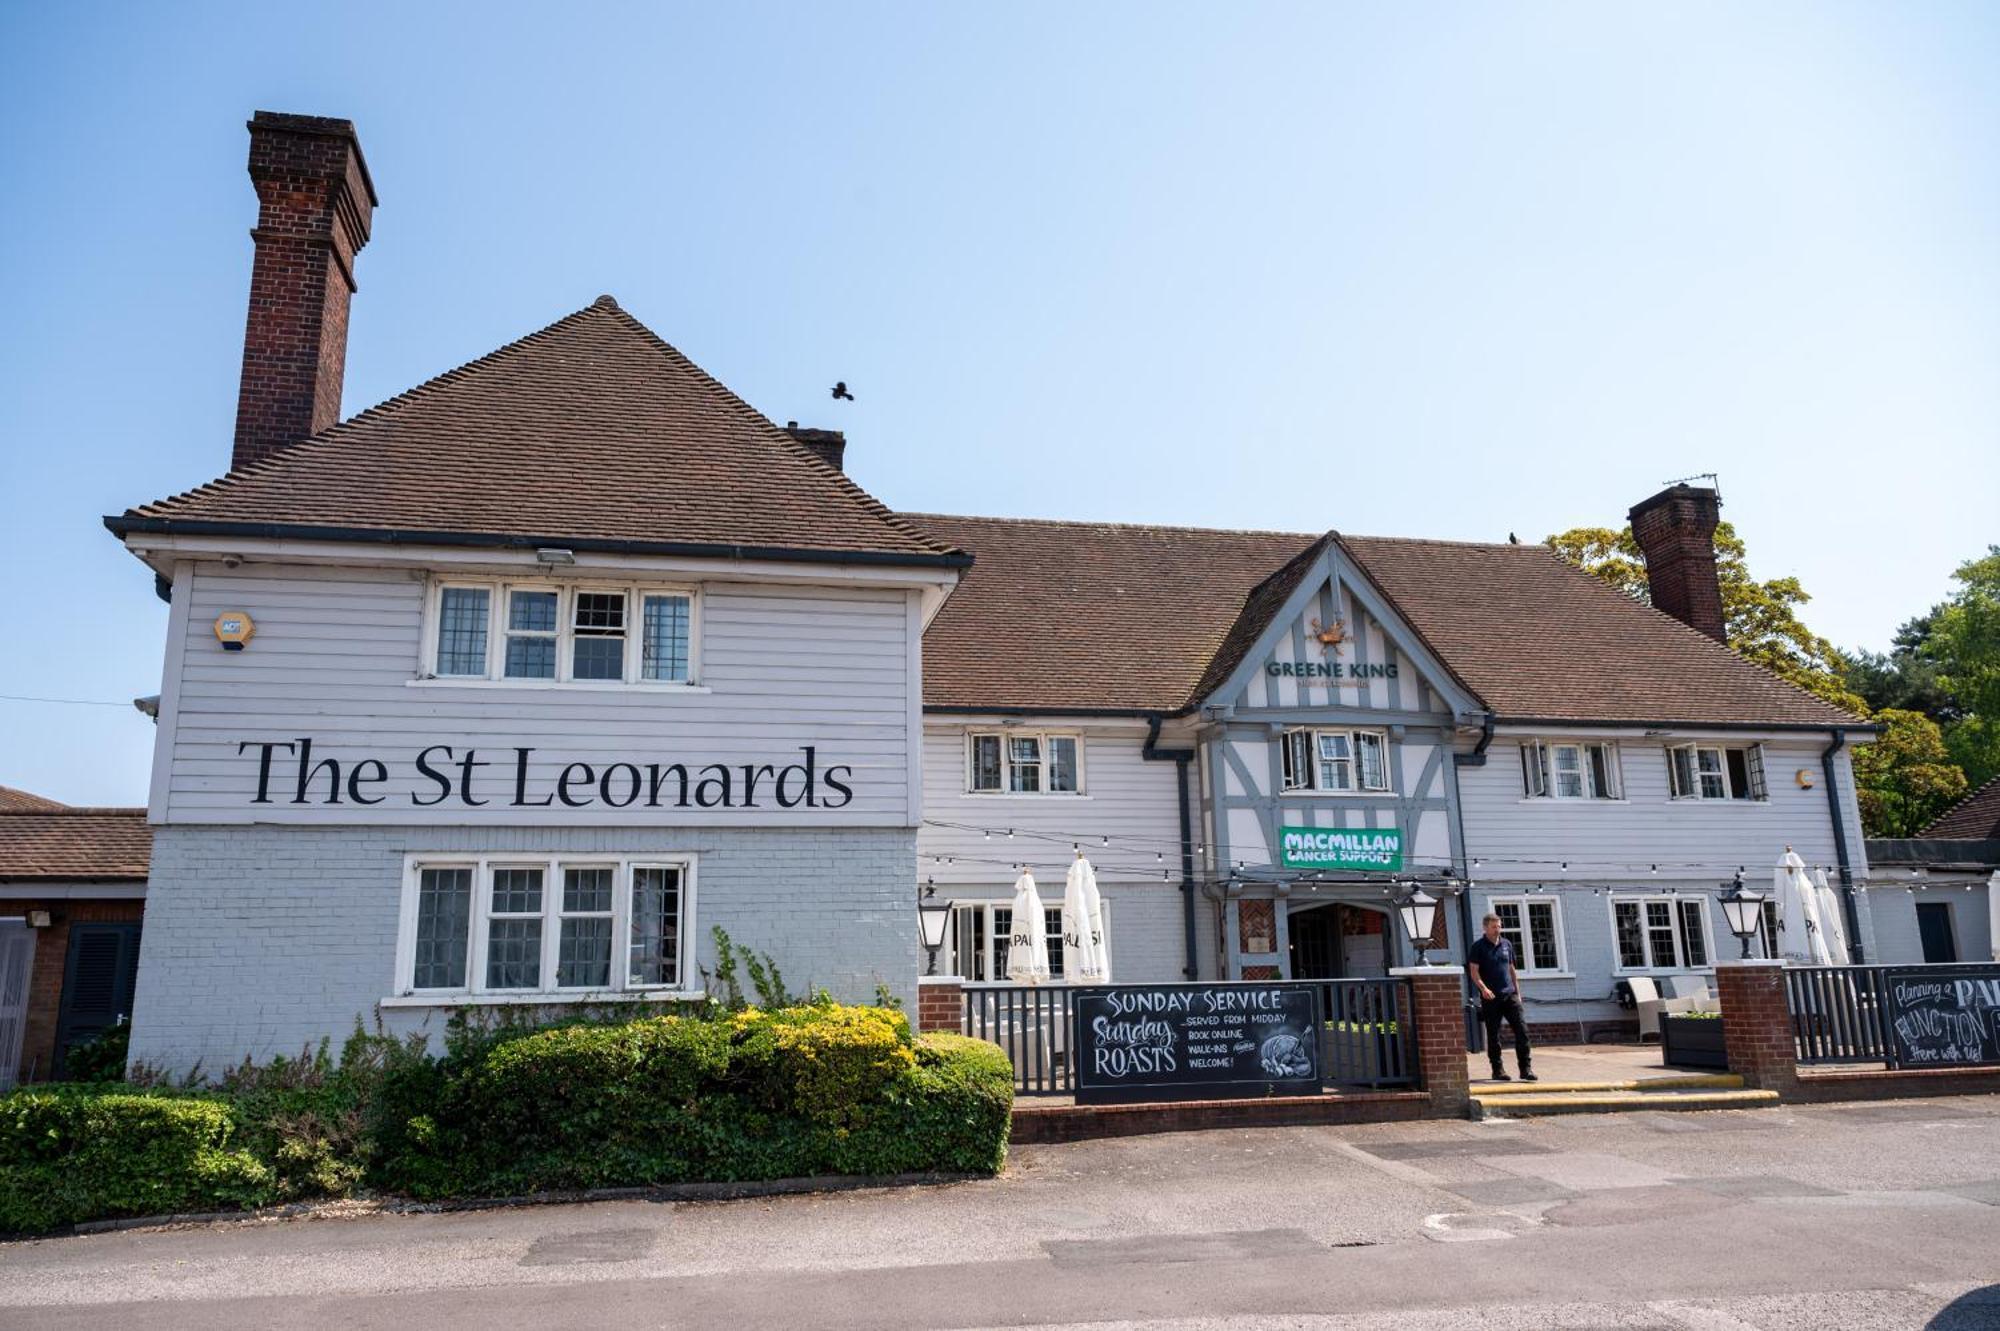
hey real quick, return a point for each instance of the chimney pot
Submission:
(1675, 530)
(315, 204)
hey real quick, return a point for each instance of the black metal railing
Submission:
(1365, 1025)
(1838, 1014)
(1030, 1022)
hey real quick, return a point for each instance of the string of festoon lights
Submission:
(1121, 848)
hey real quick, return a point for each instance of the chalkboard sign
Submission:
(1943, 1018)
(1195, 1041)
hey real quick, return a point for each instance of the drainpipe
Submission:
(1477, 758)
(1152, 753)
(1847, 902)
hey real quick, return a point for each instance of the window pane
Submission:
(1024, 764)
(1510, 924)
(656, 925)
(986, 762)
(584, 953)
(1569, 771)
(1292, 751)
(1532, 784)
(1680, 768)
(1694, 940)
(1660, 932)
(665, 654)
(1003, 932)
(1631, 943)
(1542, 952)
(1374, 770)
(968, 942)
(600, 612)
(1713, 784)
(1603, 784)
(531, 612)
(461, 647)
(1062, 764)
(1052, 931)
(588, 891)
(514, 954)
(1753, 768)
(444, 928)
(517, 891)
(531, 658)
(1739, 773)
(599, 658)
(1336, 765)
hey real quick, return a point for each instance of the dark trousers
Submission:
(1491, 1012)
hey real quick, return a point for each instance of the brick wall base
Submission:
(1439, 1022)
(940, 1003)
(1879, 1084)
(1756, 1024)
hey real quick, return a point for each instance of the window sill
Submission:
(1564, 801)
(1025, 795)
(581, 685)
(1336, 794)
(560, 998)
(1525, 976)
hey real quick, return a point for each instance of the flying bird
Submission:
(840, 393)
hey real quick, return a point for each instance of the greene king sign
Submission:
(1369, 849)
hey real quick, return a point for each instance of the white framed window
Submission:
(545, 928)
(1023, 762)
(1716, 772)
(1659, 932)
(561, 633)
(1534, 926)
(976, 945)
(1335, 761)
(1560, 769)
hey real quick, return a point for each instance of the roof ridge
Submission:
(1121, 526)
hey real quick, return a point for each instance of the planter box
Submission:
(1693, 1042)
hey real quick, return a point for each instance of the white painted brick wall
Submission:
(262, 940)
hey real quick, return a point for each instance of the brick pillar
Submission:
(940, 1003)
(1440, 1036)
(1756, 1024)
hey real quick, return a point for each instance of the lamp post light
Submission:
(1743, 910)
(1418, 911)
(933, 917)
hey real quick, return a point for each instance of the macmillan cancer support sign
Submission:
(1367, 849)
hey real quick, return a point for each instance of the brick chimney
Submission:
(314, 205)
(1676, 530)
(829, 445)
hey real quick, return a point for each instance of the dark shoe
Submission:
(1498, 1075)
(1528, 1076)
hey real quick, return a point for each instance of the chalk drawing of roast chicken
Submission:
(1286, 1056)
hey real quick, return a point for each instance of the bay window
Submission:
(557, 633)
(1020, 762)
(539, 928)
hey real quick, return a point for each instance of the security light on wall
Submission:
(554, 554)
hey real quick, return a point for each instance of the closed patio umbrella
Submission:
(1801, 940)
(1084, 961)
(1836, 922)
(1027, 941)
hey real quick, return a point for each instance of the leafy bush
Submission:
(509, 1108)
(70, 1154)
(102, 1057)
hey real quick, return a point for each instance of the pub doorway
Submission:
(1338, 941)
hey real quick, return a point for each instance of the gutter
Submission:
(1599, 723)
(1847, 902)
(127, 525)
(1151, 752)
(1477, 758)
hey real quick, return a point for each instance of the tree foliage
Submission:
(1963, 646)
(1761, 618)
(1905, 779)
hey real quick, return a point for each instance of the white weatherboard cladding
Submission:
(336, 650)
(1524, 839)
(1130, 800)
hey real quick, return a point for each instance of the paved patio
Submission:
(1585, 1062)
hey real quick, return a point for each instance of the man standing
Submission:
(1490, 964)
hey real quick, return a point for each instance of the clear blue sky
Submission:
(1444, 271)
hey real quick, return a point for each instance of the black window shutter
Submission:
(101, 973)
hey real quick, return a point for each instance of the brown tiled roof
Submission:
(1974, 818)
(77, 844)
(592, 433)
(1090, 616)
(12, 800)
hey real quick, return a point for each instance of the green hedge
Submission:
(68, 1155)
(758, 1095)
(815, 1089)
